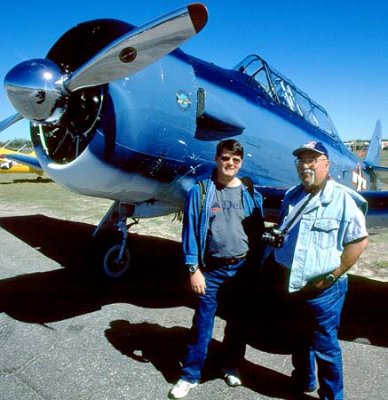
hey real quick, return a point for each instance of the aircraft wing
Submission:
(377, 200)
(377, 203)
(25, 159)
(377, 214)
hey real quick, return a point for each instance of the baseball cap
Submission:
(318, 147)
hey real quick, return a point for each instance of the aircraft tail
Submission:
(373, 157)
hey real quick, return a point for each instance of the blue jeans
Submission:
(318, 318)
(203, 322)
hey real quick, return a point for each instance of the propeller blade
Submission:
(6, 123)
(139, 48)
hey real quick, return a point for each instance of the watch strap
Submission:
(192, 267)
(330, 278)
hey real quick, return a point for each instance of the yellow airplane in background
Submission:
(15, 161)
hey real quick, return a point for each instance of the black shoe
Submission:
(299, 387)
(309, 389)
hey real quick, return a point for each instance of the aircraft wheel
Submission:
(112, 268)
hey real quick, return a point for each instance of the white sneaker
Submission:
(232, 377)
(181, 389)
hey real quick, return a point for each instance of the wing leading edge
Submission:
(25, 159)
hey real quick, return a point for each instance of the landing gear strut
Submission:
(113, 254)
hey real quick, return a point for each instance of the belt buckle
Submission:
(235, 260)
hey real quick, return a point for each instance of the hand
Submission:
(197, 282)
(321, 284)
(327, 281)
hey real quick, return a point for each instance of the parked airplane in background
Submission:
(11, 161)
(119, 112)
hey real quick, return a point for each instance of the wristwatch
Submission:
(192, 268)
(330, 278)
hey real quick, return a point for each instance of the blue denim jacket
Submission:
(332, 219)
(197, 216)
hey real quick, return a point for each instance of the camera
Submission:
(274, 237)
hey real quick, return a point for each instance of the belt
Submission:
(225, 260)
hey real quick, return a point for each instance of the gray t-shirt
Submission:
(226, 236)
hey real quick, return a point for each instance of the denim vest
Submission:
(333, 219)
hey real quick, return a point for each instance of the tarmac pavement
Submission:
(66, 335)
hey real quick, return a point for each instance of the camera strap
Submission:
(295, 215)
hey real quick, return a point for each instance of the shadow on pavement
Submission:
(156, 280)
(38, 179)
(165, 348)
(365, 314)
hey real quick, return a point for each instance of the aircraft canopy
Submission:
(285, 93)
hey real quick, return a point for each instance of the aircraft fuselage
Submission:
(148, 137)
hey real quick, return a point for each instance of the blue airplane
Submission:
(120, 112)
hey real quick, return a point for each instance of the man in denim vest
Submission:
(324, 231)
(222, 226)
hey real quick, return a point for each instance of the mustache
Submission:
(310, 172)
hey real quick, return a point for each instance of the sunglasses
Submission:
(235, 160)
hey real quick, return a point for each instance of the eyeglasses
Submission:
(308, 161)
(235, 160)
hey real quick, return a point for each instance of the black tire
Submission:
(110, 267)
(103, 253)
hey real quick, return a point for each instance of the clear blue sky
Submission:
(334, 50)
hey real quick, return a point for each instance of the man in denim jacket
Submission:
(222, 226)
(325, 233)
